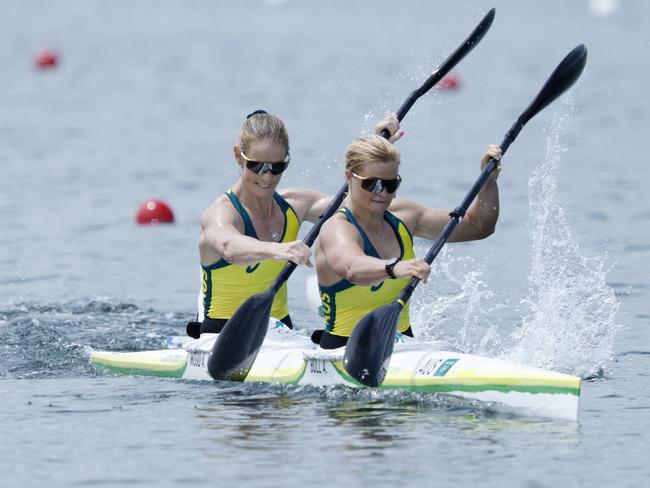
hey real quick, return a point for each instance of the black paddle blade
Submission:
(447, 65)
(370, 345)
(564, 76)
(240, 340)
(461, 51)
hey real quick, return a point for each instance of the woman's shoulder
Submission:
(221, 207)
(402, 204)
(222, 202)
(338, 230)
(300, 194)
(339, 218)
(308, 204)
(406, 210)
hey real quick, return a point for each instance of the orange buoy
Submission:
(46, 59)
(449, 82)
(153, 212)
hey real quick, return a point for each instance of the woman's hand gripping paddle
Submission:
(370, 345)
(240, 340)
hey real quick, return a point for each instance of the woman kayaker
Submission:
(365, 257)
(250, 232)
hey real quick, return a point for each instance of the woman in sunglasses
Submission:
(249, 233)
(365, 257)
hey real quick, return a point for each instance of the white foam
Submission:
(571, 321)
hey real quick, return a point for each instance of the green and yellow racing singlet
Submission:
(226, 286)
(344, 303)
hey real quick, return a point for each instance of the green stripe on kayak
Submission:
(469, 388)
(448, 388)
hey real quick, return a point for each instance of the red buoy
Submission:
(449, 82)
(46, 59)
(154, 212)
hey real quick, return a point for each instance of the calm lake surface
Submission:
(146, 103)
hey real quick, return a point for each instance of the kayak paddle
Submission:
(240, 340)
(368, 350)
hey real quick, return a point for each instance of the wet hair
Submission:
(260, 125)
(369, 149)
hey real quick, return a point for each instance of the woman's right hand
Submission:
(390, 123)
(417, 268)
(295, 251)
(493, 152)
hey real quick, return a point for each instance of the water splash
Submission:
(568, 311)
(571, 324)
(457, 306)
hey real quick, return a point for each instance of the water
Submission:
(147, 102)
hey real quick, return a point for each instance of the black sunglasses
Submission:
(376, 185)
(261, 167)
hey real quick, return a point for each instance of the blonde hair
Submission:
(369, 149)
(262, 126)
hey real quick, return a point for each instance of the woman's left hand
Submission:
(493, 152)
(391, 124)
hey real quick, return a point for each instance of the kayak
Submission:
(291, 358)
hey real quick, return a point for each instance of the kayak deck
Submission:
(287, 357)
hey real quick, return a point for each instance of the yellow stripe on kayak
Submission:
(280, 375)
(165, 363)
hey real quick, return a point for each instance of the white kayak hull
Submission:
(287, 357)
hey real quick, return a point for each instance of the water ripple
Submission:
(52, 339)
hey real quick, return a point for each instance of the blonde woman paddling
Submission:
(365, 257)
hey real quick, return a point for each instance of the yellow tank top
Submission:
(226, 286)
(344, 303)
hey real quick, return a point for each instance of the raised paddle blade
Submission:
(370, 345)
(461, 51)
(447, 65)
(238, 343)
(562, 78)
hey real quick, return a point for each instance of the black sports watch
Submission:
(389, 265)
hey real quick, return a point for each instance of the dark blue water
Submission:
(146, 103)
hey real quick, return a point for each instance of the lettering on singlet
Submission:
(376, 287)
(251, 269)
